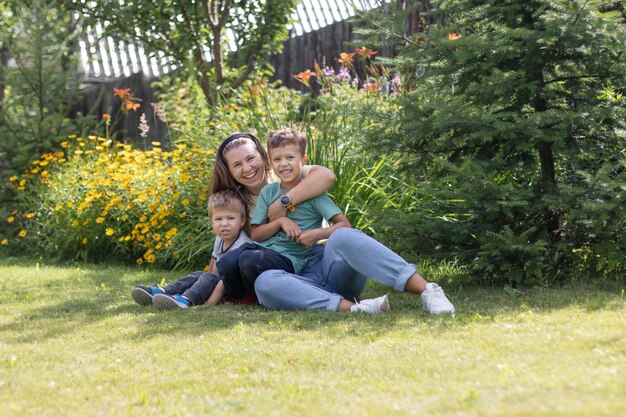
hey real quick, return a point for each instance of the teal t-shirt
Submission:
(308, 215)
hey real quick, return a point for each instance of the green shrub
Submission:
(512, 118)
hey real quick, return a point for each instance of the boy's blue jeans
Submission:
(335, 271)
(197, 287)
(240, 267)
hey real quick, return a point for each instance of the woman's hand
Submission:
(309, 238)
(290, 227)
(276, 210)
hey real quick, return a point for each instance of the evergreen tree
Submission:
(38, 85)
(513, 120)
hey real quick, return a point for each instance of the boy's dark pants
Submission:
(197, 287)
(240, 267)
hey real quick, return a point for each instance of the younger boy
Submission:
(230, 223)
(286, 242)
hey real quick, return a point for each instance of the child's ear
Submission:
(305, 157)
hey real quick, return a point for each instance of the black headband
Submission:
(238, 135)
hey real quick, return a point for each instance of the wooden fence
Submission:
(323, 45)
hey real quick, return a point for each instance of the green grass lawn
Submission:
(73, 343)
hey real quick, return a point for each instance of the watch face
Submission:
(285, 200)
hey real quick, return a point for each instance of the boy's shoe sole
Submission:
(141, 296)
(165, 302)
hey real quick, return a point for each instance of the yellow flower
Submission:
(110, 232)
(100, 220)
(84, 241)
(13, 178)
(4, 242)
(10, 219)
(185, 202)
(29, 215)
(65, 144)
(78, 152)
(69, 204)
(139, 261)
(71, 136)
(75, 223)
(22, 233)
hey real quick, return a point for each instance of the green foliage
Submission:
(38, 85)
(193, 35)
(512, 121)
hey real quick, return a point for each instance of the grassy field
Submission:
(73, 343)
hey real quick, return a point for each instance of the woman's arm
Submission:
(311, 237)
(318, 180)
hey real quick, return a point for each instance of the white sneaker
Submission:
(372, 305)
(435, 301)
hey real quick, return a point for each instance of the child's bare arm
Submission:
(310, 237)
(217, 294)
(212, 266)
(261, 232)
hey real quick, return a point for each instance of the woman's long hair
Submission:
(222, 178)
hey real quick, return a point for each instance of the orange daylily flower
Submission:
(121, 93)
(255, 89)
(454, 36)
(304, 76)
(316, 67)
(106, 116)
(128, 105)
(346, 58)
(365, 52)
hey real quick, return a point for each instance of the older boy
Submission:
(285, 243)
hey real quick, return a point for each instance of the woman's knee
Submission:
(344, 235)
(268, 281)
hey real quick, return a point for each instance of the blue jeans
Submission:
(335, 271)
(240, 267)
(197, 286)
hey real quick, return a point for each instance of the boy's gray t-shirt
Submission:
(218, 247)
(308, 215)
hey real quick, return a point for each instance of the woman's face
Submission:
(246, 166)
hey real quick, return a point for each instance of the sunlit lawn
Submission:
(73, 343)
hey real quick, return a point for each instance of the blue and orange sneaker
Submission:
(170, 302)
(143, 295)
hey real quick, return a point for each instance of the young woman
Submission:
(335, 273)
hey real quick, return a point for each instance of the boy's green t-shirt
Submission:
(308, 215)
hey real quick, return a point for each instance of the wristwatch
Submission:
(285, 201)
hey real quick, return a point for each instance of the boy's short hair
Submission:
(287, 136)
(229, 200)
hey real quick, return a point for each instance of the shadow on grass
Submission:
(86, 296)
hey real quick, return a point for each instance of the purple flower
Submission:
(344, 74)
(328, 72)
(395, 83)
